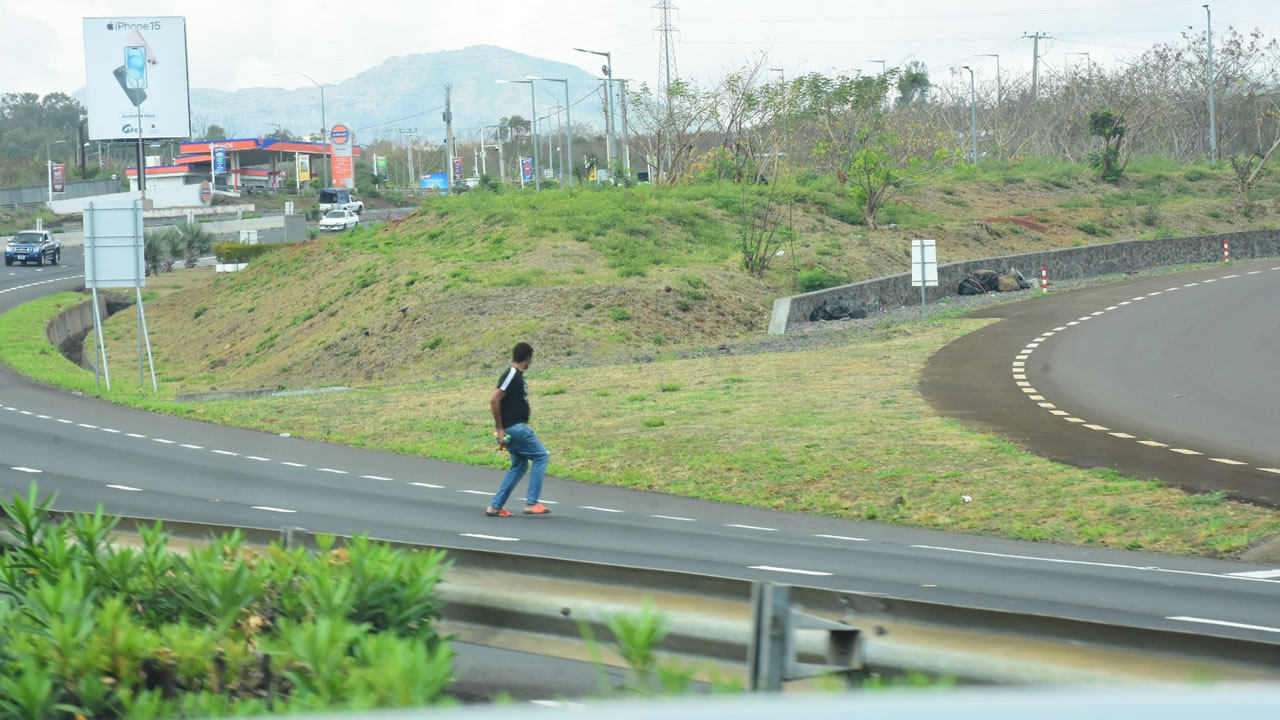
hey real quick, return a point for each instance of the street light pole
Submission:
(1213, 123)
(882, 66)
(973, 117)
(997, 57)
(324, 130)
(608, 89)
(568, 122)
(1088, 61)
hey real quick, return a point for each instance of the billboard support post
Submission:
(142, 160)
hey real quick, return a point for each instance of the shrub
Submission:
(817, 278)
(1089, 228)
(1196, 175)
(103, 631)
(234, 252)
(619, 314)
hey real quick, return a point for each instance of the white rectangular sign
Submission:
(136, 65)
(113, 246)
(924, 263)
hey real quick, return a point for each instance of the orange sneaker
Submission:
(536, 509)
(490, 512)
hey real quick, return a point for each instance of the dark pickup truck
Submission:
(37, 246)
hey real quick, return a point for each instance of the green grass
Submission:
(718, 429)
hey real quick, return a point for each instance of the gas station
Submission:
(249, 163)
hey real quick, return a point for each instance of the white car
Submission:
(339, 220)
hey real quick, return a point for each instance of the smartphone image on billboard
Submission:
(135, 67)
(136, 96)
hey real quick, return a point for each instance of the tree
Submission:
(281, 133)
(879, 169)
(214, 132)
(28, 122)
(913, 84)
(1106, 125)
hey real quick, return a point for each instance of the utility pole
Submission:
(448, 133)
(626, 137)
(502, 164)
(408, 151)
(973, 109)
(667, 71)
(324, 131)
(1035, 60)
(1213, 123)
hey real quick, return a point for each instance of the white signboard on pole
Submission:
(136, 74)
(924, 268)
(113, 256)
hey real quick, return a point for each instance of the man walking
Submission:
(510, 407)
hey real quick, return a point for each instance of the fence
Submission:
(39, 194)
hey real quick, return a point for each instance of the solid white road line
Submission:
(499, 538)
(1258, 574)
(792, 571)
(1224, 623)
(842, 537)
(674, 517)
(428, 485)
(126, 488)
(268, 508)
(752, 527)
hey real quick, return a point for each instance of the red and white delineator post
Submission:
(1044, 279)
(1226, 251)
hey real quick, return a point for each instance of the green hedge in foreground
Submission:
(92, 630)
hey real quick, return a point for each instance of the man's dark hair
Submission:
(521, 352)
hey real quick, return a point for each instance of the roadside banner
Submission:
(380, 165)
(457, 168)
(434, 183)
(341, 139)
(58, 173)
(304, 167)
(219, 159)
(526, 169)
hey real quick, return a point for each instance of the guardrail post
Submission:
(293, 537)
(771, 655)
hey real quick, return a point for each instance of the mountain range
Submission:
(407, 92)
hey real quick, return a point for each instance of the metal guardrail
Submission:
(535, 604)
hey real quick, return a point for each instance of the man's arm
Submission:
(495, 406)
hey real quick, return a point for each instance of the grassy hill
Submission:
(624, 271)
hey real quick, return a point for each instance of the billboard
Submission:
(304, 167)
(136, 75)
(434, 183)
(219, 159)
(57, 177)
(340, 141)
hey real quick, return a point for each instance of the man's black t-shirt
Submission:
(515, 404)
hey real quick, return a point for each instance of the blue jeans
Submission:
(524, 447)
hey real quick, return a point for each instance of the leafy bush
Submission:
(619, 314)
(234, 252)
(94, 630)
(818, 278)
(1089, 228)
(196, 241)
(1196, 175)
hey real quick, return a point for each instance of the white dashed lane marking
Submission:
(259, 459)
(673, 517)
(268, 508)
(126, 488)
(1258, 574)
(136, 435)
(293, 464)
(331, 470)
(377, 477)
(599, 509)
(225, 452)
(87, 425)
(499, 538)
(792, 571)
(842, 537)
(752, 527)
(22, 469)
(191, 447)
(164, 442)
(428, 485)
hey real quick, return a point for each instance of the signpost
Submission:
(113, 258)
(924, 268)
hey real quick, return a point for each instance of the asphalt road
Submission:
(142, 464)
(1171, 377)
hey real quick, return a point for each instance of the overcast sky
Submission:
(246, 43)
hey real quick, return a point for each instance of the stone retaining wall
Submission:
(1062, 264)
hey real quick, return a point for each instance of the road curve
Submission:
(1172, 377)
(137, 463)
